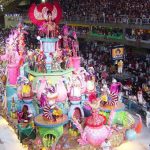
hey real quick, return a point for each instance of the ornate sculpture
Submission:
(95, 131)
(47, 16)
(55, 64)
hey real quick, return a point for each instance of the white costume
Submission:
(106, 145)
(140, 97)
(148, 119)
(120, 66)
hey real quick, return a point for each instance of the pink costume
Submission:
(114, 88)
(75, 45)
(65, 38)
(43, 100)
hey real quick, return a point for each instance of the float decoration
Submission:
(38, 14)
(50, 125)
(95, 131)
(60, 91)
(15, 48)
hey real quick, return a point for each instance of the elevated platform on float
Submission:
(51, 75)
(40, 122)
(11, 92)
(50, 40)
(47, 128)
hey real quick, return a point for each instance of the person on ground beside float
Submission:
(106, 145)
(115, 86)
(120, 66)
(137, 65)
(140, 96)
(148, 118)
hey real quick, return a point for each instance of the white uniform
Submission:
(148, 119)
(106, 146)
(140, 97)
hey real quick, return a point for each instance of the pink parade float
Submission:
(54, 84)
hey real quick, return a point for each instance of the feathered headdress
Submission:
(39, 14)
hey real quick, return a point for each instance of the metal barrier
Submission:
(124, 19)
(92, 19)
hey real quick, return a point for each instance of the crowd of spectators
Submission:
(136, 69)
(30, 36)
(98, 55)
(113, 33)
(98, 31)
(82, 30)
(142, 35)
(4, 34)
(106, 10)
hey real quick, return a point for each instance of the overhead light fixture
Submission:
(43, 1)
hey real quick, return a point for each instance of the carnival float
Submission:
(51, 96)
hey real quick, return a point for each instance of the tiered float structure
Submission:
(48, 87)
